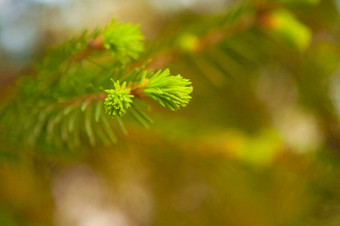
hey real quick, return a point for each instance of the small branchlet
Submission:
(170, 91)
(124, 41)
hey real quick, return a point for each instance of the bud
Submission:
(188, 43)
(118, 100)
(283, 25)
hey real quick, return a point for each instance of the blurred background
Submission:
(259, 144)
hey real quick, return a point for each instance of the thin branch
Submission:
(207, 41)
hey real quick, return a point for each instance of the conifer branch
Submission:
(70, 93)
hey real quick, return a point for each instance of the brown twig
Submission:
(94, 45)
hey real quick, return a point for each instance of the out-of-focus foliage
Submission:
(284, 26)
(258, 145)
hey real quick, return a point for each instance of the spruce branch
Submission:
(75, 99)
(72, 97)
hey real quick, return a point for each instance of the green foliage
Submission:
(56, 56)
(124, 41)
(172, 92)
(72, 96)
(167, 90)
(118, 100)
(254, 148)
(74, 100)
